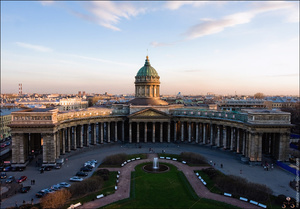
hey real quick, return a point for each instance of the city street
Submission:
(276, 179)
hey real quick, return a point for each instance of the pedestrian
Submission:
(241, 172)
(24, 202)
(33, 181)
(31, 201)
(16, 204)
(214, 164)
(221, 165)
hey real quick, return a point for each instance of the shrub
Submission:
(117, 159)
(86, 186)
(193, 158)
(238, 186)
(104, 173)
(56, 199)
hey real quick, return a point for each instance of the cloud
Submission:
(47, 3)
(212, 26)
(34, 47)
(174, 5)
(108, 14)
(156, 44)
(102, 60)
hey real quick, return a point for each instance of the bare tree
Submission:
(56, 199)
(259, 95)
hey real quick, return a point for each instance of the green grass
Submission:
(163, 190)
(107, 189)
(210, 184)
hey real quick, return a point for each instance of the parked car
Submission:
(94, 161)
(86, 169)
(21, 179)
(41, 193)
(7, 168)
(56, 187)
(10, 179)
(3, 175)
(64, 184)
(81, 173)
(76, 178)
(25, 189)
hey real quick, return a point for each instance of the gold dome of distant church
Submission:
(147, 86)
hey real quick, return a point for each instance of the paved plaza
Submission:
(276, 179)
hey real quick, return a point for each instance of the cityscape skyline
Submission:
(196, 47)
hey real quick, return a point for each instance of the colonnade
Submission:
(239, 138)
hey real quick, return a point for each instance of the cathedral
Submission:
(252, 133)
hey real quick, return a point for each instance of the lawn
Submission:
(163, 190)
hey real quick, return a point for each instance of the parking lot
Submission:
(276, 179)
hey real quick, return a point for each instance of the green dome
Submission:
(147, 70)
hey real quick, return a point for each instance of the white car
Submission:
(76, 178)
(94, 161)
(89, 163)
(64, 184)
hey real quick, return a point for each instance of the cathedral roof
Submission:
(147, 70)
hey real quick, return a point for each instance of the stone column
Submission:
(252, 142)
(259, 147)
(145, 133)
(224, 137)
(169, 134)
(18, 148)
(137, 132)
(189, 131)
(49, 148)
(57, 140)
(93, 133)
(116, 131)
(218, 136)
(69, 130)
(108, 132)
(204, 133)
(244, 142)
(153, 132)
(182, 131)
(130, 132)
(102, 133)
(75, 139)
(63, 138)
(81, 136)
(85, 135)
(283, 147)
(161, 132)
(238, 141)
(197, 132)
(231, 139)
(175, 131)
(211, 134)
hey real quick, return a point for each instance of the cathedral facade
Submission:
(253, 133)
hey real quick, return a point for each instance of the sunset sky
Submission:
(196, 47)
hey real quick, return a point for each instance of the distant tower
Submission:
(20, 89)
(79, 93)
(83, 93)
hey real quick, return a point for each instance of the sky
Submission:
(197, 47)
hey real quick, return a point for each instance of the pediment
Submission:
(149, 113)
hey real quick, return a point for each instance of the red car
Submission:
(21, 179)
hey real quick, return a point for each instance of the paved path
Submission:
(123, 190)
